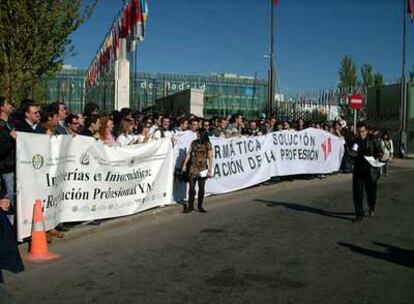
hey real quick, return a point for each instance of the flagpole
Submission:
(271, 64)
(404, 67)
(403, 75)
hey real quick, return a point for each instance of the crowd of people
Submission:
(129, 127)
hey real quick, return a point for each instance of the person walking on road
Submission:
(198, 166)
(364, 174)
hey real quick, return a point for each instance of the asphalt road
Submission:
(292, 242)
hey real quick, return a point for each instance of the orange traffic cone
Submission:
(38, 247)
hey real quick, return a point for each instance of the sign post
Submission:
(355, 119)
(355, 102)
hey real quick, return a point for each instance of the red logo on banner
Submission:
(327, 147)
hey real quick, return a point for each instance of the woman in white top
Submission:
(145, 135)
(127, 136)
(388, 148)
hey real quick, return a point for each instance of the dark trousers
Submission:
(369, 182)
(384, 169)
(192, 192)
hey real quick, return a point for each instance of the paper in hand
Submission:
(374, 162)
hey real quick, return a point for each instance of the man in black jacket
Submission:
(364, 174)
(7, 149)
(30, 118)
(91, 127)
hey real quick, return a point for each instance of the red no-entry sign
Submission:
(356, 101)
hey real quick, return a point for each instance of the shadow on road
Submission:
(392, 254)
(5, 296)
(304, 208)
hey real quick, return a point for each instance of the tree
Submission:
(346, 112)
(378, 79)
(367, 75)
(34, 40)
(411, 73)
(347, 76)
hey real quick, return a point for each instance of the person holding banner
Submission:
(221, 126)
(145, 135)
(9, 253)
(30, 117)
(365, 174)
(235, 127)
(198, 166)
(105, 131)
(73, 124)
(164, 131)
(182, 125)
(193, 125)
(127, 136)
(92, 126)
(49, 120)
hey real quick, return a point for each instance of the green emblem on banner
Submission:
(37, 161)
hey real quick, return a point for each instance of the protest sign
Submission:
(80, 179)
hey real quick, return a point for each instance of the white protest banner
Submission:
(311, 151)
(246, 161)
(80, 179)
(238, 163)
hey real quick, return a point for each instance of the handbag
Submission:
(203, 174)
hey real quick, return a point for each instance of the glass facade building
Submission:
(224, 93)
(67, 86)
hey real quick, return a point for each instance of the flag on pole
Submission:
(144, 7)
(411, 9)
(129, 25)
